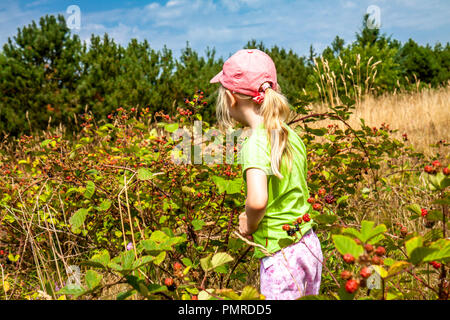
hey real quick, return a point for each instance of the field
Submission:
(108, 214)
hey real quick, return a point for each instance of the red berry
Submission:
(168, 282)
(365, 272)
(368, 247)
(404, 231)
(194, 298)
(311, 200)
(377, 260)
(348, 258)
(351, 286)
(357, 241)
(446, 171)
(436, 163)
(381, 251)
(424, 212)
(435, 264)
(317, 206)
(322, 191)
(286, 227)
(428, 169)
(306, 217)
(345, 275)
(177, 266)
(299, 220)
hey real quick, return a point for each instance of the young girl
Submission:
(274, 168)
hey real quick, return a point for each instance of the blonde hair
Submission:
(274, 109)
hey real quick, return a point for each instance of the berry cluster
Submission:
(296, 224)
(371, 256)
(434, 167)
(435, 264)
(316, 203)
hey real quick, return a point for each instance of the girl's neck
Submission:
(252, 118)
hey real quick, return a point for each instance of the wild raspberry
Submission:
(380, 251)
(436, 163)
(377, 260)
(357, 241)
(299, 220)
(291, 232)
(404, 231)
(446, 171)
(317, 206)
(329, 199)
(348, 258)
(424, 212)
(322, 191)
(345, 275)
(428, 169)
(306, 217)
(168, 282)
(177, 266)
(286, 227)
(365, 272)
(194, 298)
(351, 286)
(311, 200)
(368, 247)
(435, 264)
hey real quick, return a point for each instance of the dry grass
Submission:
(424, 115)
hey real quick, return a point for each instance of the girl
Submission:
(274, 168)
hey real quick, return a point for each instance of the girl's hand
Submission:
(243, 226)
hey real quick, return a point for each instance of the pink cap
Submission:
(245, 72)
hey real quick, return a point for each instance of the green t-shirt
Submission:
(287, 197)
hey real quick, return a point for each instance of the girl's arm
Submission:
(256, 202)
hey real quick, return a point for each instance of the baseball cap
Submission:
(245, 72)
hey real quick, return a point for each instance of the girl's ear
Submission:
(231, 98)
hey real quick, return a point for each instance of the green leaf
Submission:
(418, 254)
(285, 242)
(368, 232)
(441, 251)
(171, 127)
(205, 263)
(198, 224)
(220, 259)
(102, 258)
(325, 218)
(397, 267)
(414, 208)
(144, 174)
(249, 293)
(77, 219)
(92, 279)
(230, 186)
(412, 244)
(71, 289)
(346, 244)
(90, 189)
(105, 205)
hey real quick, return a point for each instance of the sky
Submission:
(227, 25)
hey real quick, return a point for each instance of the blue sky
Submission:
(227, 25)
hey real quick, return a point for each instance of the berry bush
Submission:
(108, 214)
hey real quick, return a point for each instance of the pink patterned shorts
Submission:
(296, 273)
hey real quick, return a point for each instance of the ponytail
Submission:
(275, 109)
